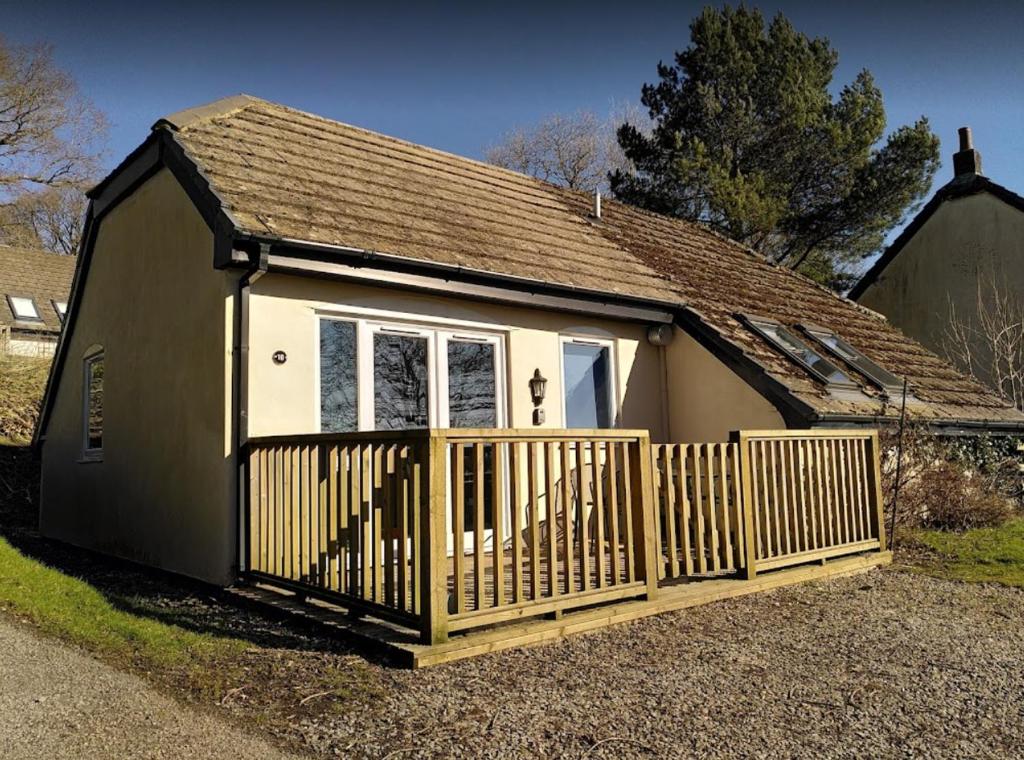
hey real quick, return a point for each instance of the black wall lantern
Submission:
(538, 388)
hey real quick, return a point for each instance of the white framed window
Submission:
(383, 374)
(61, 307)
(588, 383)
(24, 309)
(92, 405)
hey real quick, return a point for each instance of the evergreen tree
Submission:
(748, 139)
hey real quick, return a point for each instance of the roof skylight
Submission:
(838, 347)
(24, 309)
(808, 358)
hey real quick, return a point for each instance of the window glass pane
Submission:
(848, 353)
(587, 386)
(471, 385)
(804, 353)
(24, 308)
(469, 488)
(61, 308)
(338, 379)
(399, 382)
(94, 422)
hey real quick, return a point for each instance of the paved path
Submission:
(56, 702)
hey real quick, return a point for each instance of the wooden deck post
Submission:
(433, 544)
(747, 480)
(647, 542)
(874, 469)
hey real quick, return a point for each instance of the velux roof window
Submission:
(24, 309)
(809, 358)
(843, 350)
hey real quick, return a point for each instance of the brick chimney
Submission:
(967, 160)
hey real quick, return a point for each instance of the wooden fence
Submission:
(446, 530)
(811, 494)
(452, 529)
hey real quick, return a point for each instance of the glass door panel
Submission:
(401, 391)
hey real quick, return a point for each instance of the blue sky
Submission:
(457, 76)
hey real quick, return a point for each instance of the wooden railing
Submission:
(810, 495)
(341, 514)
(699, 508)
(446, 530)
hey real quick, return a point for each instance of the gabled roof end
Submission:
(189, 116)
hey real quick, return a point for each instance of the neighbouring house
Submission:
(34, 288)
(332, 361)
(954, 279)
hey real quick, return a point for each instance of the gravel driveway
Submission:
(58, 703)
(885, 664)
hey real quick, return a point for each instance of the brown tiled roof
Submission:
(42, 276)
(287, 174)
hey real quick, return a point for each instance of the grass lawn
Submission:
(985, 555)
(74, 611)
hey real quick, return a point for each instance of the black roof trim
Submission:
(960, 187)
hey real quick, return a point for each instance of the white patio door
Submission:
(421, 377)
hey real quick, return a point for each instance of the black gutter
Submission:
(360, 257)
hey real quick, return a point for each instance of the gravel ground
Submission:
(56, 702)
(885, 664)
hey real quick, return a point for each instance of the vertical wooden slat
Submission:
(843, 486)
(737, 505)
(600, 565)
(366, 519)
(458, 469)
(686, 511)
(497, 531)
(532, 451)
(613, 511)
(404, 503)
(552, 517)
(420, 494)
(627, 504)
(643, 510)
(517, 507)
(812, 508)
(723, 508)
(294, 528)
(786, 500)
(569, 581)
(378, 522)
(746, 479)
(819, 481)
(356, 550)
(830, 494)
(319, 476)
(479, 528)
(584, 534)
(342, 507)
(759, 491)
(389, 514)
(862, 472)
(712, 511)
(774, 516)
(698, 509)
(668, 499)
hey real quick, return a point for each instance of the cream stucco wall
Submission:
(707, 400)
(964, 240)
(164, 492)
(283, 317)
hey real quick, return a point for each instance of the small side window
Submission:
(92, 412)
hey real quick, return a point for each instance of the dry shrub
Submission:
(950, 483)
(945, 496)
(22, 382)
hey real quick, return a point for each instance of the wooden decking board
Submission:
(401, 645)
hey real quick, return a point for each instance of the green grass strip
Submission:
(71, 609)
(984, 555)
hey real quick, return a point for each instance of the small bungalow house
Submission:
(954, 279)
(347, 365)
(34, 287)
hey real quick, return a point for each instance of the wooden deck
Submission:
(594, 526)
(401, 645)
